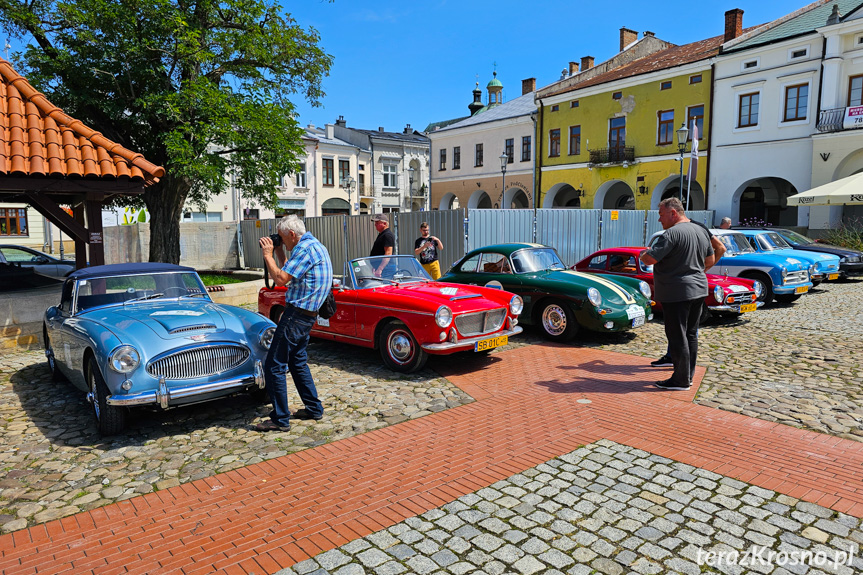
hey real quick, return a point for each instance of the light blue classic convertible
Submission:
(147, 334)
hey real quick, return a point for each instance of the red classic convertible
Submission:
(406, 315)
(725, 294)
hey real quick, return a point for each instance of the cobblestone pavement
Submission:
(608, 508)
(796, 364)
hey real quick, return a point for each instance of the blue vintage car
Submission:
(147, 334)
(821, 266)
(783, 277)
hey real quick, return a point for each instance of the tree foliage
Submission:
(200, 87)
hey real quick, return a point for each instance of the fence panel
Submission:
(486, 227)
(703, 216)
(653, 225)
(573, 233)
(446, 225)
(254, 230)
(626, 230)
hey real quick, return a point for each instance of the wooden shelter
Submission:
(50, 160)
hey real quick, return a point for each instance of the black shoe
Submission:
(670, 385)
(304, 413)
(663, 361)
(270, 425)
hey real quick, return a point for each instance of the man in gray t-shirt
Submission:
(679, 258)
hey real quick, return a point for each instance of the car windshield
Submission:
(133, 288)
(735, 243)
(771, 241)
(387, 270)
(535, 260)
(795, 237)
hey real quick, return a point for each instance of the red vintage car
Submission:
(725, 294)
(406, 315)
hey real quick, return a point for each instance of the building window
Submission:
(617, 95)
(665, 85)
(798, 53)
(301, 176)
(509, 150)
(750, 65)
(574, 140)
(525, 149)
(477, 161)
(456, 157)
(344, 171)
(361, 183)
(617, 139)
(361, 167)
(329, 173)
(573, 104)
(666, 127)
(696, 79)
(695, 113)
(554, 143)
(796, 102)
(13, 222)
(442, 159)
(389, 171)
(747, 112)
(555, 108)
(855, 91)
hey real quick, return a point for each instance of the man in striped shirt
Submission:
(309, 277)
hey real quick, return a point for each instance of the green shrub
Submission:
(849, 234)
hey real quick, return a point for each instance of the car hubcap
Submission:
(554, 320)
(400, 346)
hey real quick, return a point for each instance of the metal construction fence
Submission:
(574, 233)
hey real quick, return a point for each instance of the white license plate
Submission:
(639, 321)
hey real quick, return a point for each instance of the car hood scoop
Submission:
(172, 319)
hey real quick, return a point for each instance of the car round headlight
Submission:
(784, 273)
(719, 294)
(266, 338)
(644, 287)
(124, 359)
(593, 296)
(813, 269)
(759, 289)
(443, 316)
(516, 305)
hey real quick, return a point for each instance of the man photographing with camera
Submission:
(308, 275)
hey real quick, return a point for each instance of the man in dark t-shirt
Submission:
(384, 244)
(427, 248)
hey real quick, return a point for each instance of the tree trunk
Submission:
(165, 203)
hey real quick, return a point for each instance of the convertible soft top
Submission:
(127, 269)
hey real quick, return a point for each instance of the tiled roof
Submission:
(442, 124)
(521, 106)
(664, 59)
(320, 134)
(39, 139)
(414, 137)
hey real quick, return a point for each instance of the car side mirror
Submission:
(51, 312)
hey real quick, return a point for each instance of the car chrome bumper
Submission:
(464, 344)
(732, 308)
(164, 396)
(790, 288)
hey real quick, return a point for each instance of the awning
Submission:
(292, 204)
(845, 192)
(336, 204)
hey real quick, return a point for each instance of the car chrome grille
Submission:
(198, 362)
(479, 323)
(800, 277)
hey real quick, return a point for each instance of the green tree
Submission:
(200, 87)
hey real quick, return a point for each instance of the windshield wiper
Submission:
(144, 297)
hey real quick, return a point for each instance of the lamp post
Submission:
(682, 134)
(503, 161)
(349, 185)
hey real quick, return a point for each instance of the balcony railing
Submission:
(612, 155)
(368, 191)
(831, 120)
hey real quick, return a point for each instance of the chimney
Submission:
(586, 63)
(647, 33)
(627, 37)
(573, 68)
(341, 122)
(733, 24)
(528, 86)
(330, 131)
(408, 129)
(380, 128)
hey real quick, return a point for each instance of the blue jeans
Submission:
(288, 352)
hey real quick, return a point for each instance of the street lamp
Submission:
(349, 185)
(682, 135)
(503, 161)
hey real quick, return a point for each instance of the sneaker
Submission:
(663, 361)
(670, 385)
(304, 413)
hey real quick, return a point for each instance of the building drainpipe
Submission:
(538, 154)
(709, 137)
(820, 80)
(48, 244)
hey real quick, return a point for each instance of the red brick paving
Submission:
(271, 515)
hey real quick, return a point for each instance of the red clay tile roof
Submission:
(668, 58)
(37, 138)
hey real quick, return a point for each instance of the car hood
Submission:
(167, 319)
(609, 289)
(459, 298)
(812, 256)
(831, 249)
(790, 262)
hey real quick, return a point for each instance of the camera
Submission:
(277, 240)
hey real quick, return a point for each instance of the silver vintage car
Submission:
(147, 334)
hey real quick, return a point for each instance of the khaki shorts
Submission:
(433, 269)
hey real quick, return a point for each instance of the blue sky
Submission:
(399, 62)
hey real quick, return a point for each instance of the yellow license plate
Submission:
(748, 307)
(833, 277)
(801, 289)
(491, 343)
